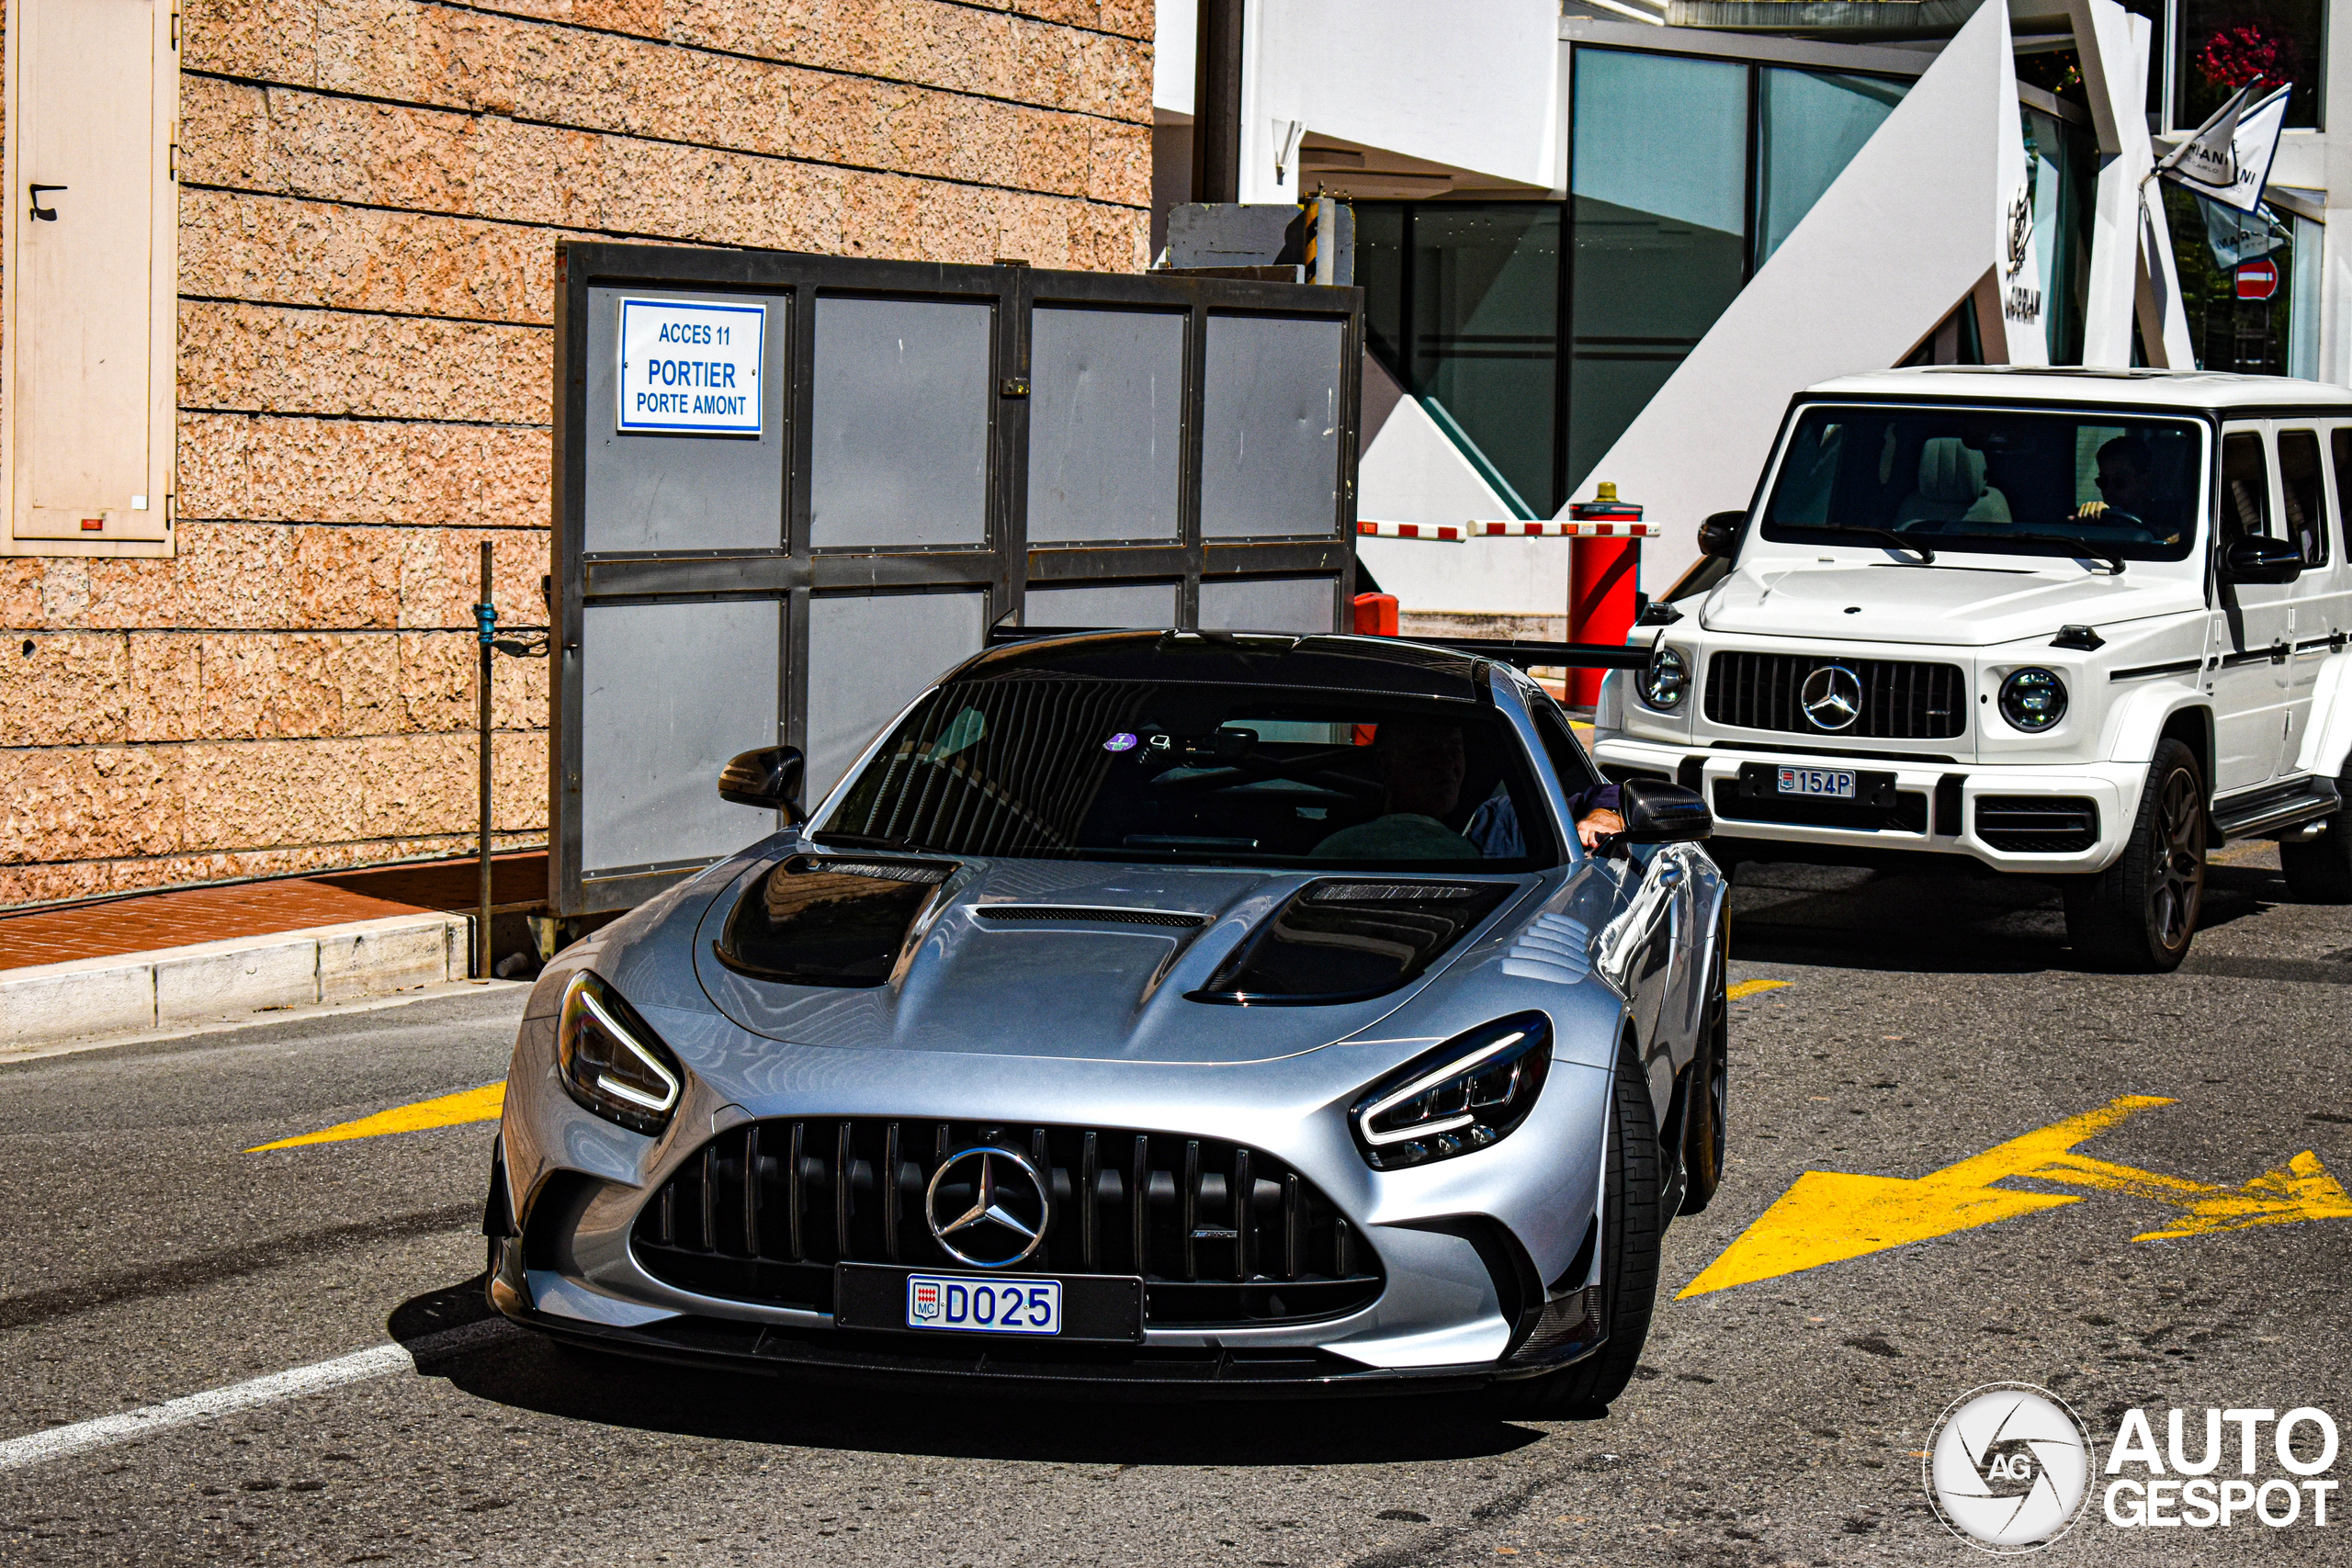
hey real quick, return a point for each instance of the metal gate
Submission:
(791, 489)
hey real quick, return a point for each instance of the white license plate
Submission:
(987, 1306)
(1838, 783)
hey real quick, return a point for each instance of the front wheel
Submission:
(2140, 913)
(2319, 871)
(1707, 1095)
(1632, 1220)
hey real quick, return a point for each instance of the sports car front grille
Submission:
(765, 1210)
(1901, 700)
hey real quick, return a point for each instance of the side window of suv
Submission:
(2246, 488)
(2339, 443)
(2302, 493)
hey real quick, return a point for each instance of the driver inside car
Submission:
(1422, 766)
(2124, 485)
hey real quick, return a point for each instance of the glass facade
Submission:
(1686, 175)
(2062, 172)
(2226, 43)
(1660, 188)
(2210, 245)
(1486, 333)
(1811, 125)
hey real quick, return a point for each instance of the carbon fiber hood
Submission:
(1092, 962)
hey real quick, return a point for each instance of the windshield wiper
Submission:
(1926, 557)
(2078, 548)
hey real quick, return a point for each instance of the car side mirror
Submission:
(768, 779)
(1719, 534)
(1657, 812)
(2261, 559)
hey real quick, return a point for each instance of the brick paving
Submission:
(152, 920)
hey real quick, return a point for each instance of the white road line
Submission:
(358, 1367)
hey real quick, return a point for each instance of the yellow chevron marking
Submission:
(482, 1104)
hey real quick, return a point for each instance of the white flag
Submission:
(2228, 158)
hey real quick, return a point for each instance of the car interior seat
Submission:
(1951, 487)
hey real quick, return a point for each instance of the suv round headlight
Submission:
(2033, 700)
(1666, 679)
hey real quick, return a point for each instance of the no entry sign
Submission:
(2257, 279)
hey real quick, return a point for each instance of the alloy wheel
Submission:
(2179, 885)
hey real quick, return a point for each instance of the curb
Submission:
(127, 992)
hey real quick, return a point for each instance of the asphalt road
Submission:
(1923, 1022)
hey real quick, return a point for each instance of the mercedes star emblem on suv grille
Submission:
(1005, 1221)
(1832, 696)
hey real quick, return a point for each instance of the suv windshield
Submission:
(1068, 767)
(1999, 480)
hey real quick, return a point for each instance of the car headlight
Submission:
(611, 1063)
(1666, 679)
(1469, 1093)
(2033, 700)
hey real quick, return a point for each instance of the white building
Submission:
(1605, 240)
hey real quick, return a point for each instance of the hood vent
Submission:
(1345, 939)
(816, 921)
(1080, 914)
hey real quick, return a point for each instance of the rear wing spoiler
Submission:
(1520, 655)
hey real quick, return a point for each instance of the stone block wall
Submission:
(370, 196)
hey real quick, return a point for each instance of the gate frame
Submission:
(793, 573)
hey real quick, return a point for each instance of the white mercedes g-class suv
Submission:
(2073, 624)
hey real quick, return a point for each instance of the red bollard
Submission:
(1604, 576)
(1376, 614)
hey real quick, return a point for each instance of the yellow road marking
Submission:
(1748, 989)
(482, 1104)
(1831, 1216)
(2300, 1189)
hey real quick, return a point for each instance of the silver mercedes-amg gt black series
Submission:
(1161, 1012)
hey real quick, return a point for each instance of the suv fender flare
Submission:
(2327, 734)
(2140, 719)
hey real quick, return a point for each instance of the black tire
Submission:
(1706, 1103)
(2319, 871)
(1630, 1229)
(2139, 913)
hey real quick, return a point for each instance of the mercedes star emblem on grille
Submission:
(1832, 697)
(1005, 1221)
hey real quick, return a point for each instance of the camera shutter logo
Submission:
(2008, 1468)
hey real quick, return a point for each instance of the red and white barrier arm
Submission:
(1446, 533)
(1553, 528)
(1547, 528)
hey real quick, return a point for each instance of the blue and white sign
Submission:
(691, 369)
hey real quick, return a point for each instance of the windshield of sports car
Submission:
(1071, 768)
(1990, 480)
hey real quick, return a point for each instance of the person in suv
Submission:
(2079, 624)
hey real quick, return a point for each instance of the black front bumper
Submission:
(1008, 1366)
